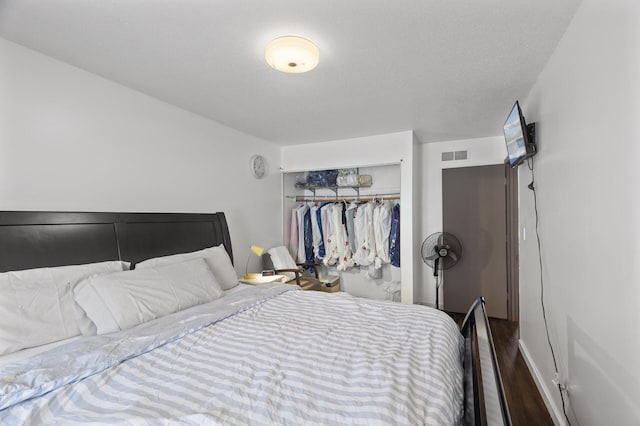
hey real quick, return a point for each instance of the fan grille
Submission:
(441, 246)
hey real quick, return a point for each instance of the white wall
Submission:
(392, 148)
(71, 140)
(586, 103)
(480, 152)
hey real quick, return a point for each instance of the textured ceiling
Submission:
(448, 69)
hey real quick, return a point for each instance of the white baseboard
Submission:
(556, 414)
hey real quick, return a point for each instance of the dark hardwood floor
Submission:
(525, 403)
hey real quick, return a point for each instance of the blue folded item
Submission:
(322, 178)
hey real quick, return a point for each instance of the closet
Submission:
(365, 270)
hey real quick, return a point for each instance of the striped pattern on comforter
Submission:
(297, 358)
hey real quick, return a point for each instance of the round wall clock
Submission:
(258, 166)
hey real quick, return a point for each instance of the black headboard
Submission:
(31, 239)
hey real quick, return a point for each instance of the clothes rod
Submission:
(367, 198)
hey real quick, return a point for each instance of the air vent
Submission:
(447, 156)
(461, 155)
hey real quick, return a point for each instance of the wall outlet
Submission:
(560, 382)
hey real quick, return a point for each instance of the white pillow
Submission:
(217, 258)
(37, 306)
(122, 300)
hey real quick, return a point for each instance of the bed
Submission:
(238, 354)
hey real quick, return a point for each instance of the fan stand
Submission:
(437, 293)
(435, 274)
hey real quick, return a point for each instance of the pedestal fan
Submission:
(440, 250)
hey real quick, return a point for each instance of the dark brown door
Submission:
(474, 210)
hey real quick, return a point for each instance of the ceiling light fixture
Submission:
(292, 54)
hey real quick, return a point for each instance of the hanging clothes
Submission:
(346, 235)
(315, 232)
(308, 237)
(394, 237)
(321, 227)
(365, 239)
(345, 260)
(325, 214)
(336, 238)
(382, 228)
(372, 237)
(293, 233)
(300, 211)
(351, 233)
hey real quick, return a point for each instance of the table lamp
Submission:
(257, 250)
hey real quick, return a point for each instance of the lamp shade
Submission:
(257, 250)
(292, 54)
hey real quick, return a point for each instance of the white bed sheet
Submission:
(265, 355)
(237, 288)
(28, 353)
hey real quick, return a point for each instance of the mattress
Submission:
(268, 354)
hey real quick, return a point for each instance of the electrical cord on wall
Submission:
(561, 387)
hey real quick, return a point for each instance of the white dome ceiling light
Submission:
(292, 54)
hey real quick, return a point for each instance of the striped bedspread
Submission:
(263, 356)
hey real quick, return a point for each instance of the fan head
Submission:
(441, 250)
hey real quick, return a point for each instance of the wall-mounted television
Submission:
(519, 136)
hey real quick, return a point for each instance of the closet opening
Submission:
(348, 220)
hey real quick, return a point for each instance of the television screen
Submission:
(514, 136)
